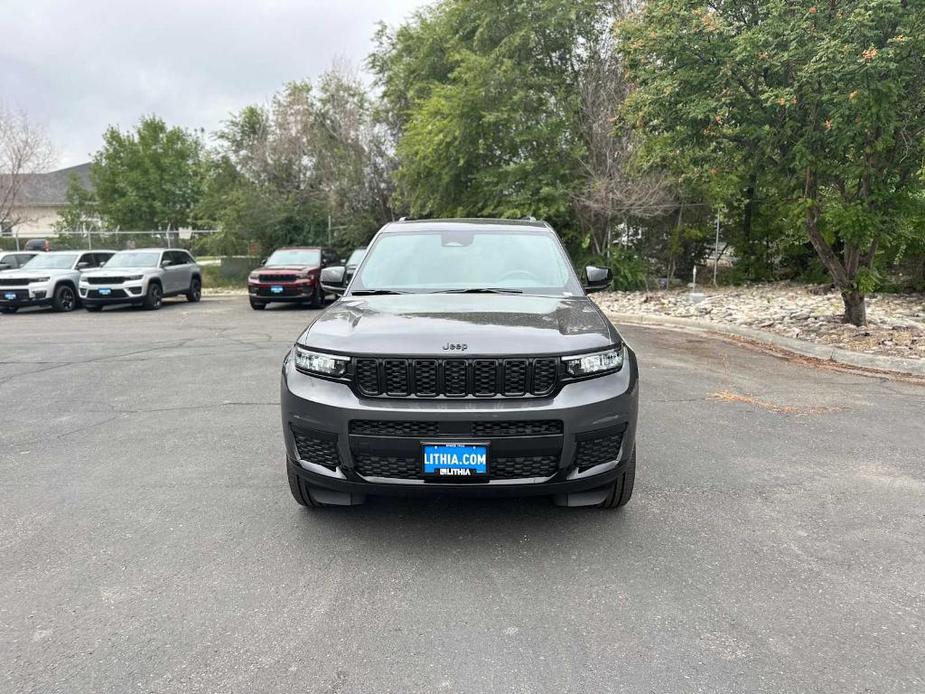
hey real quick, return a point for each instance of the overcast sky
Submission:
(77, 66)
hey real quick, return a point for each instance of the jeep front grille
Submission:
(456, 378)
(479, 429)
(105, 280)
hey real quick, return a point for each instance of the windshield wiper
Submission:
(480, 290)
(374, 292)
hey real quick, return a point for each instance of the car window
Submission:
(356, 256)
(23, 258)
(89, 259)
(101, 258)
(430, 260)
(176, 257)
(294, 256)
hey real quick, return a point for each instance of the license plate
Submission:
(9, 296)
(276, 290)
(105, 292)
(455, 461)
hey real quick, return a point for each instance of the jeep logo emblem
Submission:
(455, 347)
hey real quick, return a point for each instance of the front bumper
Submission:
(126, 293)
(33, 295)
(542, 442)
(293, 291)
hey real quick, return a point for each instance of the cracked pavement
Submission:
(149, 542)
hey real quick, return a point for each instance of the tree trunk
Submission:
(855, 308)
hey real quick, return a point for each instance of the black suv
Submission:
(465, 358)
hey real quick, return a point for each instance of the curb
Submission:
(898, 365)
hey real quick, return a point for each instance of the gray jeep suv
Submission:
(142, 277)
(465, 358)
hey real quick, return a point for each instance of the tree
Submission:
(312, 163)
(484, 99)
(81, 212)
(24, 150)
(615, 189)
(825, 101)
(147, 179)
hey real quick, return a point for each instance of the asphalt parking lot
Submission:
(775, 543)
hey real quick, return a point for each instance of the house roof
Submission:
(50, 189)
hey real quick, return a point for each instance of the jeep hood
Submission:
(488, 324)
(23, 273)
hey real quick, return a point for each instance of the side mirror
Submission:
(599, 278)
(166, 263)
(264, 261)
(83, 265)
(332, 279)
(5, 266)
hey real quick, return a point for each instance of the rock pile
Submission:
(896, 324)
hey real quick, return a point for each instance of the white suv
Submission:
(48, 279)
(143, 277)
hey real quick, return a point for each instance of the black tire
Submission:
(65, 299)
(257, 305)
(195, 290)
(154, 298)
(9, 309)
(622, 489)
(317, 297)
(94, 308)
(302, 493)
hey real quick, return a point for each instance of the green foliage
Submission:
(81, 211)
(312, 167)
(485, 98)
(149, 178)
(822, 104)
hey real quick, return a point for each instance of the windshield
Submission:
(52, 261)
(300, 257)
(356, 256)
(528, 261)
(134, 259)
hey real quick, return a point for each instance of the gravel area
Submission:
(896, 324)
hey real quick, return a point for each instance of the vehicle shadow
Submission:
(395, 525)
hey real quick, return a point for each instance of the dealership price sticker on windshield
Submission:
(455, 460)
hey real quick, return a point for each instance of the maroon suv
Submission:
(290, 275)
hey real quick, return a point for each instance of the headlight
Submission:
(134, 278)
(40, 279)
(320, 363)
(588, 364)
(253, 277)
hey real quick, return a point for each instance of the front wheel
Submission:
(65, 299)
(622, 488)
(154, 297)
(194, 293)
(317, 297)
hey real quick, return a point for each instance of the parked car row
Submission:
(66, 280)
